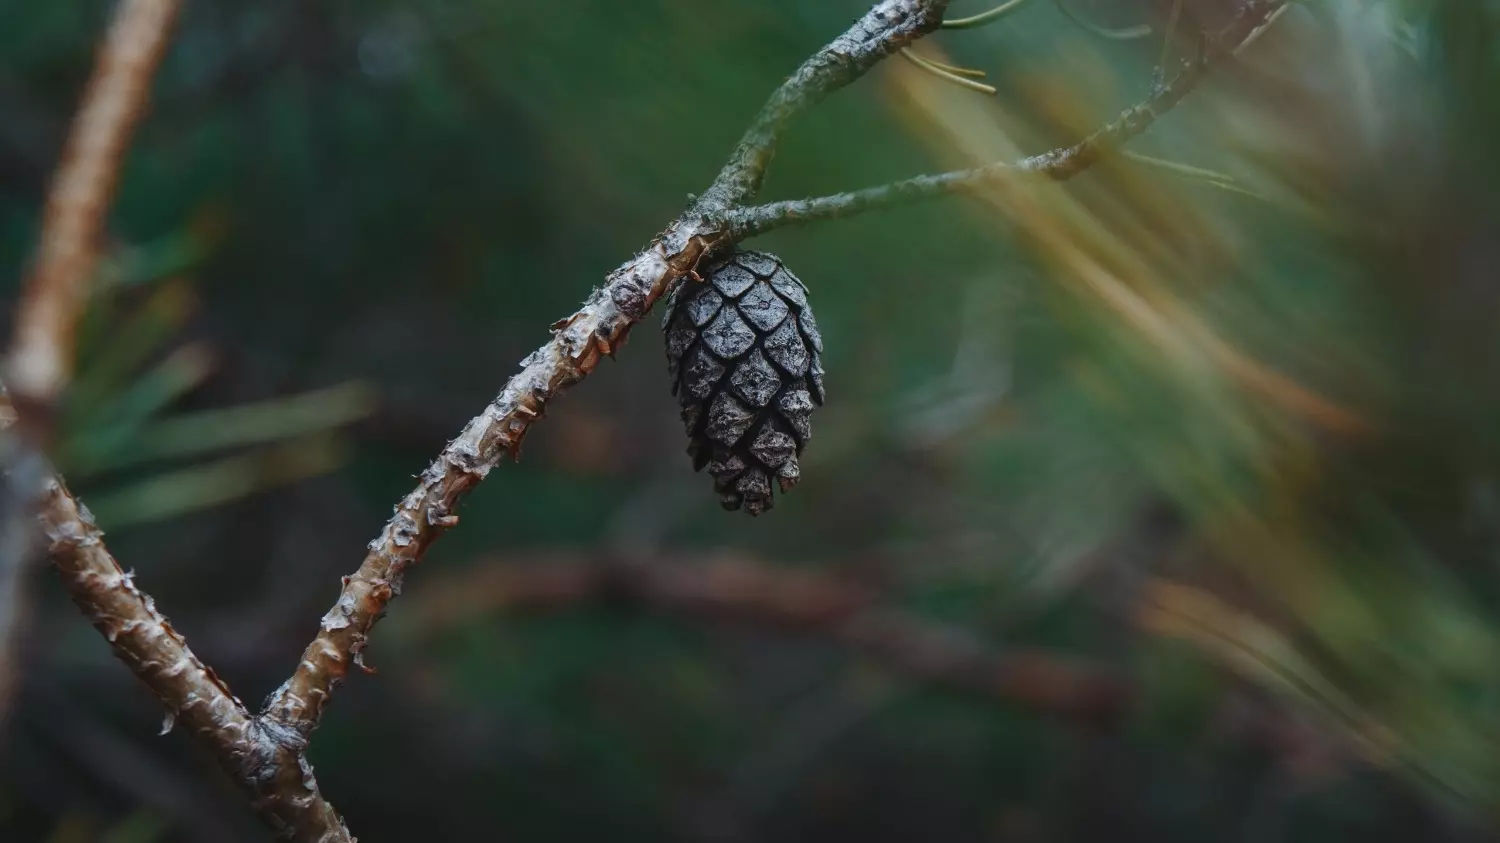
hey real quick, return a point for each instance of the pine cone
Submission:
(743, 353)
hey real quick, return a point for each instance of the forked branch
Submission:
(271, 767)
(41, 355)
(601, 326)
(1057, 164)
(266, 753)
(578, 343)
(268, 764)
(40, 361)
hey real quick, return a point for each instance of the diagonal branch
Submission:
(252, 751)
(578, 343)
(259, 756)
(266, 753)
(887, 28)
(40, 360)
(601, 326)
(1059, 164)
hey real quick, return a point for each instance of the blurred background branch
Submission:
(41, 355)
(39, 367)
(724, 587)
(40, 361)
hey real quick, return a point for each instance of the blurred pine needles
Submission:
(122, 436)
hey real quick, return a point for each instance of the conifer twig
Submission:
(272, 767)
(268, 763)
(580, 341)
(1057, 164)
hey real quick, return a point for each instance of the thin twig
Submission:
(267, 753)
(1058, 164)
(578, 343)
(984, 18)
(839, 610)
(888, 27)
(260, 756)
(41, 355)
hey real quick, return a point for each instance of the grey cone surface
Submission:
(743, 353)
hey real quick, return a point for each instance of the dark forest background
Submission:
(1259, 505)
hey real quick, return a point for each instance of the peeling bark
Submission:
(578, 343)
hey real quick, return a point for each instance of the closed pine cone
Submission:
(743, 353)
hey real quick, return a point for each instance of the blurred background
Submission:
(1162, 505)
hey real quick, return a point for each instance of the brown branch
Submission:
(578, 343)
(1058, 164)
(266, 753)
(260, 756)
(252, 751)
(886, 29)
(602, 325)
(844, 612)
(40, 361)
(41, 355)
(270, 764)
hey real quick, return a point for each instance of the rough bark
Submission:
(268, 763)
(578, 343)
